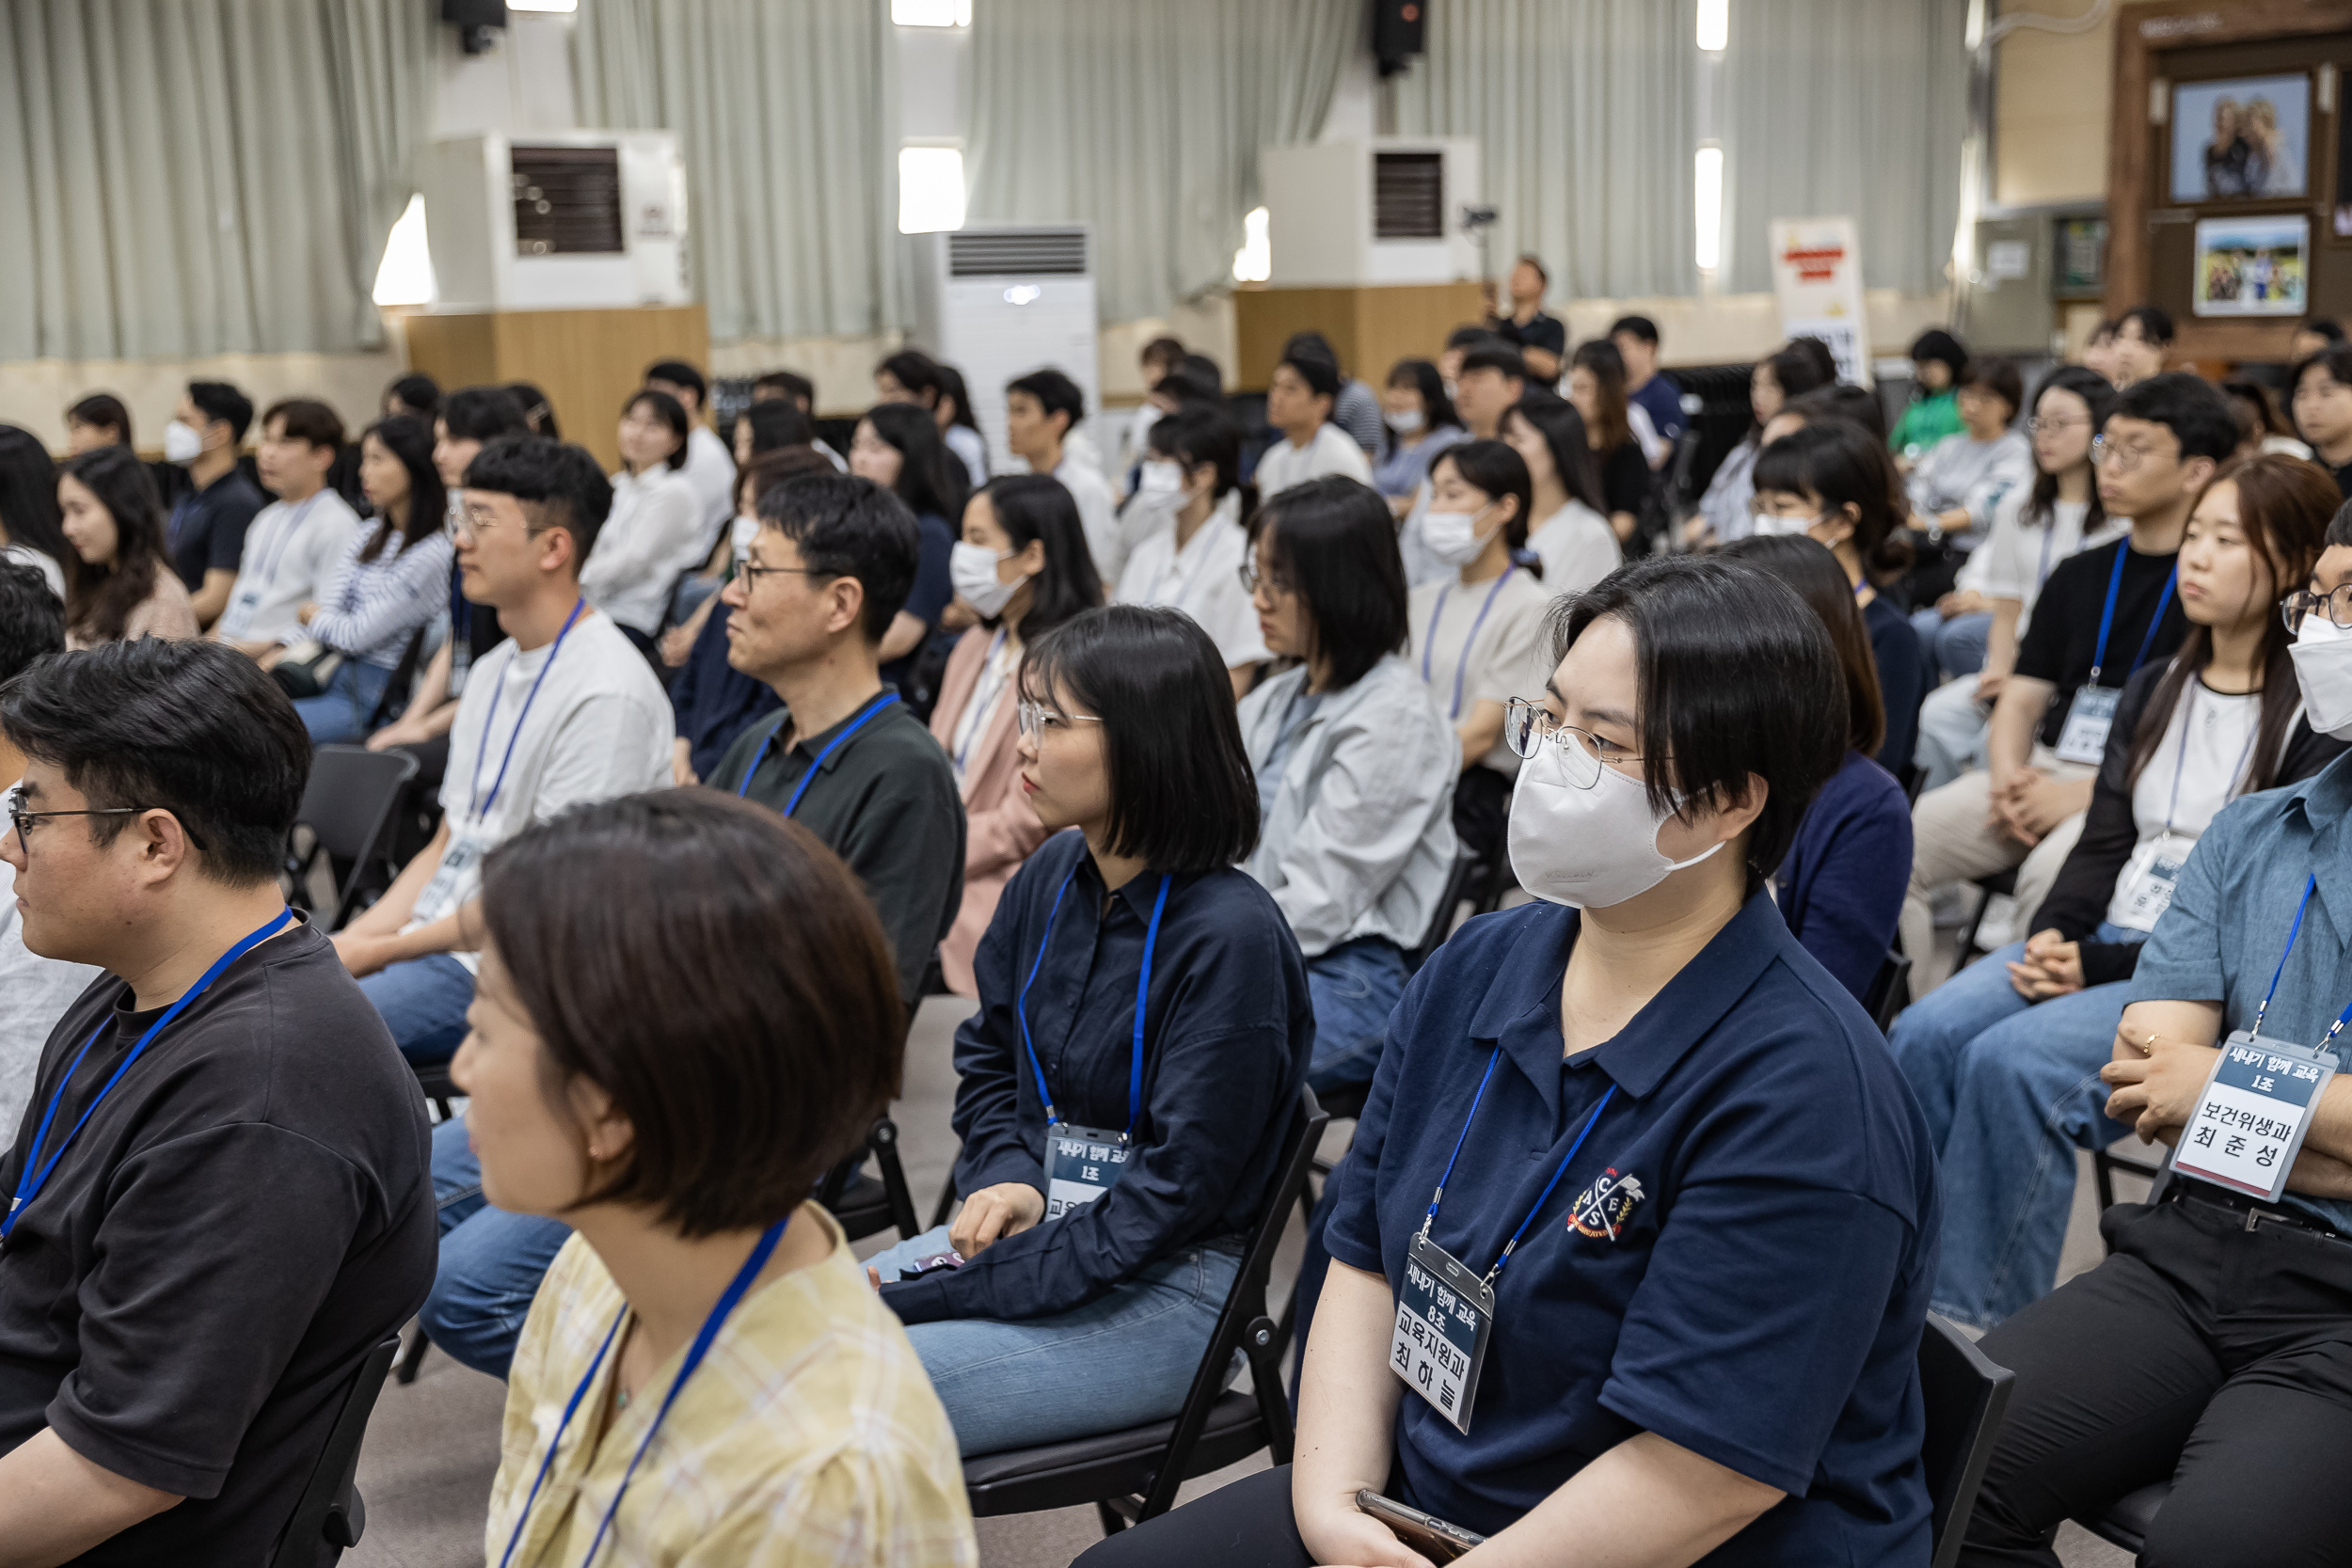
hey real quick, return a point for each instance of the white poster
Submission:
(1817, 280)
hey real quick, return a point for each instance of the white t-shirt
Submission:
(2016, 560)
(34, 993)
(967, 443)
(291, 552)
(710, 470)
(599, 726)
(1097, 514)
(1578, 549)
(1481, 642)
(1330, 451)
(655, 534)
(1202, 580)
(2195, 770)
(41, 560)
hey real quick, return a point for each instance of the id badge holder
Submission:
(2149, 880)
(1444, 1316)
(2088, 719)
(240, 616)
(2251, 1120)
(440, 895)
(1081, 1164)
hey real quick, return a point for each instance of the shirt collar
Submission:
(1520, 1011)
(810, 745)
(1138, 893)
(2322, 803)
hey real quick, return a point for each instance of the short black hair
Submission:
(2326, 328)
(2336, 359)
(1183, 384)
(1841, 400)
(1640, 328)
(1200, 434)
(1332, 541)
(912, 369)
(2155, 324)
(308, 420)
(793, 385)
(1495, 354)
(2189, 406)
(191, 727)
(677, 372)
(1040, 507)
(2340, 526)
(1321, 376)
(1182, 796)
(1055, 392)
(218, 400)
(1311, 342)
(777, 423)
(847, 527)
(1802, 364)
(1493, 469)
(483, 414)
(1998, 377)
(32, 622)
(672, 414)
(101, 411)
(1845, 465)
(1736, 676)
(1472, 335)
(416, 392)
(1204, 370)
(558, 484)
(1937, 345)
(738, 918)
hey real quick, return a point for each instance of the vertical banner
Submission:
(1817, 280)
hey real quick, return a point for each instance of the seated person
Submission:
(841, 756)
(1421, 422)
(1042, 412)
(897, 447)
(2009, 1092)
(1022, 568)
(1474, 634)
(1840, 886)
(123, 586)
(1954, 490)
(656, 533)
(2209, 1349)
(653, 1047)
(1167, 1018)
(564, 710)
(1671, 1366)
(219, 1203)
(1566, 526)
(292, 544)
(1298, 403)
(1355, 763)
(1193, 560)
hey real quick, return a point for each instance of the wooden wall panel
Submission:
(1372, 329)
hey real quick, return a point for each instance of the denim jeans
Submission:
(2009, 1088)
(341, 713)
(423, 1001)
(491, 1262)
(1354, 988)
(1951, 735)
(1953, 647)
(1119, 1362)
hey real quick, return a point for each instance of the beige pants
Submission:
(1951, 842)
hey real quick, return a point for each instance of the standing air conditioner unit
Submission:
(999, 303)
(562, 221)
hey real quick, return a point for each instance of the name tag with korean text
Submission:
(2148, 880)
(238, 618)
(455, 877)
(1445, 1317)
(1081, 1164)
(2088, 719)
(2251, 1120)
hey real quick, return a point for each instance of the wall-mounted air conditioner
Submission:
(560, 221)
(1357, 214)
(999, 303)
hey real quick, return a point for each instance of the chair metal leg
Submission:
(1263, 1344)
(883, 1141)
(411, 1358)
(1115, 1514)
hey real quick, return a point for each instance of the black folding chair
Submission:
(862, 1205)
(330, 1515)
(1966, 1397)
(2128, 1519)
(1133, 1475)
(1890, 990)
(1999, 883)
(349, 806)
(1462, 883)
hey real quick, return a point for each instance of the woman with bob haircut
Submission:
(1125, 1086)
(656, 533)
(121, 587)
(1639, 1170)
(1353, 760)
(727, 1384)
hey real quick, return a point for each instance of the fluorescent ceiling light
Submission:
(931, 13)
(930, 189)
(1254, 261)
(567, 6)
(1714, 26)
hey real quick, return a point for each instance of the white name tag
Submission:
(1445, 1317)
(239, 615)
(446, 890)
(2088, 719)
(2249, 1122)
(1081, 1164)
(2149, 879)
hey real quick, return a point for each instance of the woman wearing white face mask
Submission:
(1192, 560)
(1420, 423)
(1644, 1112)
(1475, 635)
(1022, 568)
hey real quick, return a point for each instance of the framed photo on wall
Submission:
(2253, 266)
(2248, 139)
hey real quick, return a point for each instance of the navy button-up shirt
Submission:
(1738, 1260)
(1226, 1034)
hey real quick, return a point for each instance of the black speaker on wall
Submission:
(1397, 29)
(477, 22)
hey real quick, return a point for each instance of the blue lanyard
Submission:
(831, 747)
(481, 806)
(1143, 987)
(2179, 761)
(979, 702)
(36, 1172)
(2310, 886)
(1461, 665)
(701, 1347)
(2107, 617)
(1438, 1197)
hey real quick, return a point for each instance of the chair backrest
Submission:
(1458, 887)
(349, 804)
(330, 1516)
(1966, 1396)
(1890, 990)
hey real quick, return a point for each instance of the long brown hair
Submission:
(2284, 505)
(1611, 426)
(99, 599)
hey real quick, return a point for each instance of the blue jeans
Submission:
(341, 713)
(423, 1001)
(1955, 647)
(1119, 1362)
(491, 1262)
(2009, 1089)
(1354, 988)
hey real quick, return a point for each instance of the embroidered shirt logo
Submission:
(1602, 1209)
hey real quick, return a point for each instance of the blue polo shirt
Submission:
(1739, 1259)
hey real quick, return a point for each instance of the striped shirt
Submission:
(371, 607)
(809, 1437)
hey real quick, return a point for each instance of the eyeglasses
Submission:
(2336, 605)
(24, 821)
(1526, 725)
(751, 572)
(2121, 459)
(2055, 425)
(1251, 577)
(1036, 718)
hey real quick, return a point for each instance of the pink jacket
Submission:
(1001, 828)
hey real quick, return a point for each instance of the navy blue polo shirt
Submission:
(1739, 1259)
(1227, 1030)
(206, 529)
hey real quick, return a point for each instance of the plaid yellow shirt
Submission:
(808, 1436)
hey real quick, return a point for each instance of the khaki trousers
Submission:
(1950, 842)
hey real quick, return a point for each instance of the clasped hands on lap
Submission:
(2026, 804)
(2163, 1053)
(2052, 967)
